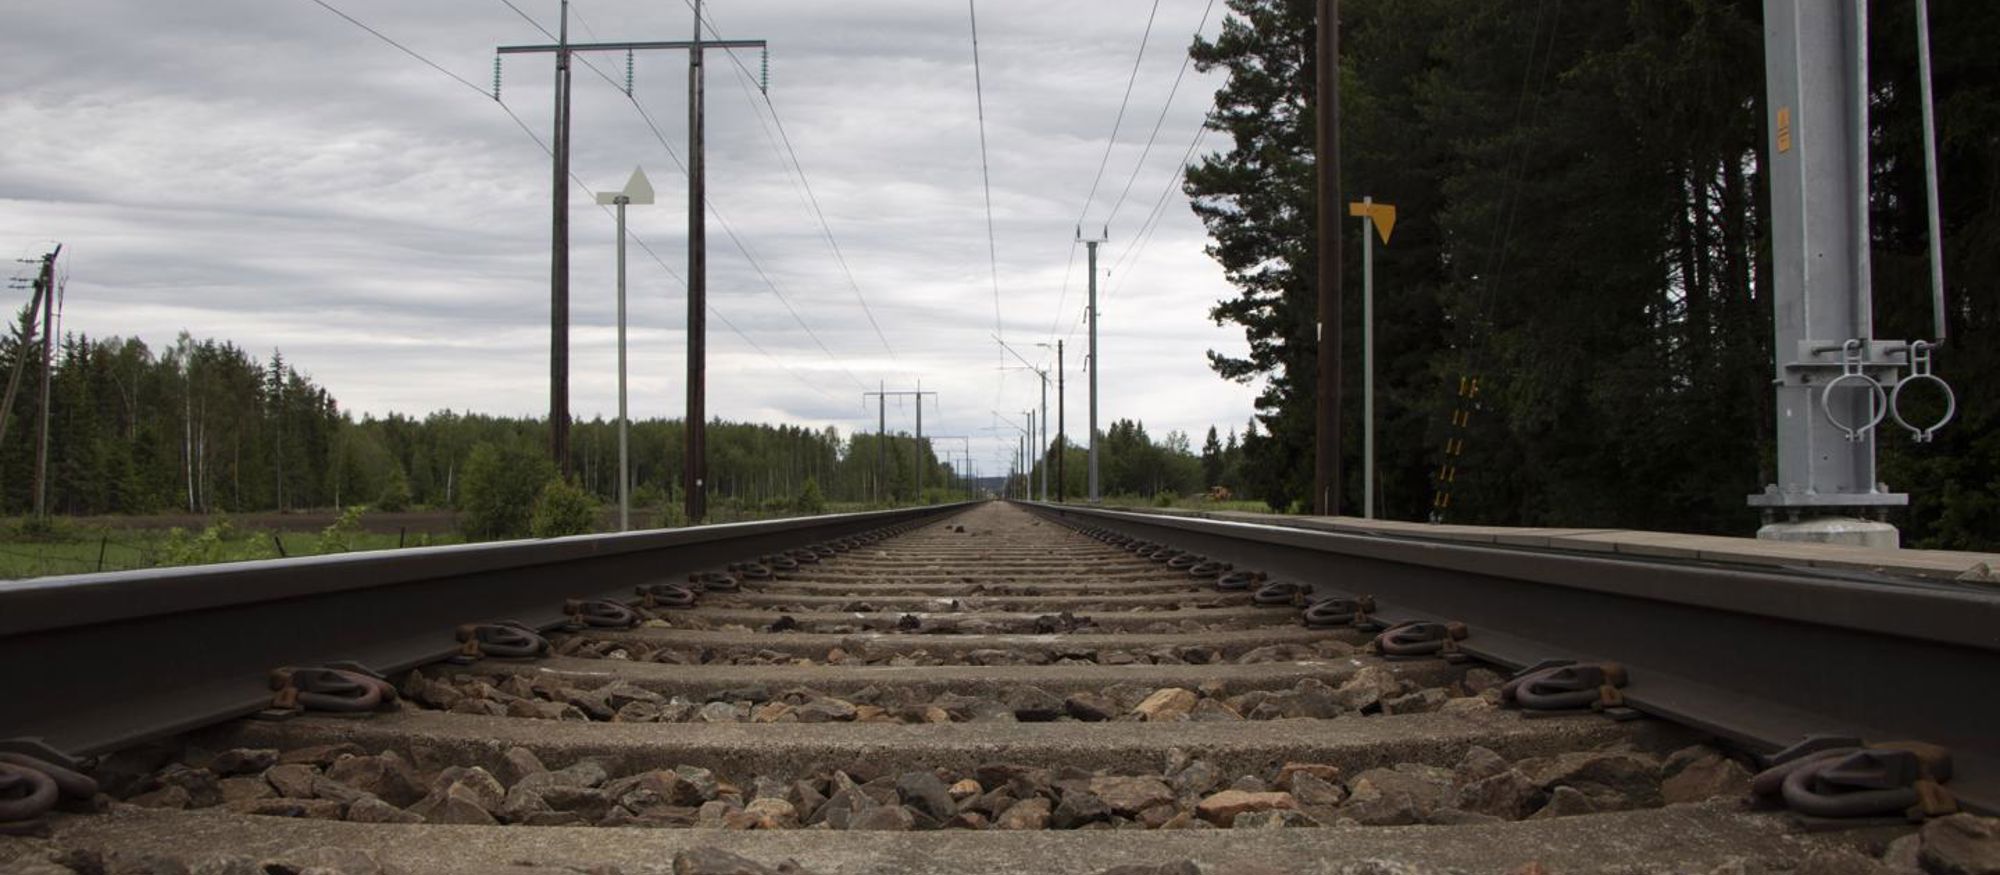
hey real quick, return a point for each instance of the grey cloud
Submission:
(266, 173)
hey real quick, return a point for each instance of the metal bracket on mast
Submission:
(1835, 382)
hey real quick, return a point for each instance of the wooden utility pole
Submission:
(1326, 451)
(48, 283)
(695, 463)
(25, 342)
(559, 259)
(695, 470)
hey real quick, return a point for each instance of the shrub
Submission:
(497, 498)
(395, 493)
(203, 549)
(44, 529)
(810, 500)
(563, 509)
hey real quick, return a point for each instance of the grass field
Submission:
(81, 545)
(83, 549)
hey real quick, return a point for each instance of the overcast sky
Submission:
(264, 172)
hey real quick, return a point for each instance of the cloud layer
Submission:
(269, 173)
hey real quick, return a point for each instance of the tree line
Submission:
(1582, 261)
(204, 427)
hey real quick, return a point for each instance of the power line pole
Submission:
(1091, 357)
(695, 461)
(1326, 451)
(1028, 455)
(950, 459)
(48, 282)
(695, 468)
(917, 453)
(559, 259)
(1041, 439)
(25, 340)
(1061, 410)
(881, 436)
(882, 397)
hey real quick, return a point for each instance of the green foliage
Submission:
(395, 496)
(207, 548)
(563, 509)
(497, 497)
(1584, 230)
(44, 529)
(1164, 498)
(341, 535)
(810, 500)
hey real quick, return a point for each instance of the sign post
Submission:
(1380, 219)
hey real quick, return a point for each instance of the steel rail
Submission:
(1761, 658)
(92, 663)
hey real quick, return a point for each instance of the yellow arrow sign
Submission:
(1383, 214)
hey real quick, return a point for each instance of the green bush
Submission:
(395, 493)
(44, 529)
(810, 500)
(563, 509)
(206, 548)
(1164, 498)
(497, 497)
(647, 495)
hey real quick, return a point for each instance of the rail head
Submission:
(1760, 657)
(95, 662)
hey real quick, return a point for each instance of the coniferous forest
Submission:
(1584, 231)
(205, 427)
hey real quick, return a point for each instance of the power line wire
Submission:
(812, 198)
(1062, 298)
(986, 176)
(1137, 249)
(1159, 206)
(1157, 122)
(403, 48)
(544, 146)
(728, 230)
(1119, 121)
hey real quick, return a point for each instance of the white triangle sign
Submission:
(638, 189)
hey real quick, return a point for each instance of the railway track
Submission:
(996, 689)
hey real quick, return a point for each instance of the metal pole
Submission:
(1093, 369)
(624, 420)
(1061, 409)
(1368, 361)
(1939, 326)
(559, 260)
(920, 442)
(1326, 455)
(1815, 57)
(696, 462)
(1032, 462)
(881, 437)
(1042, 448)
